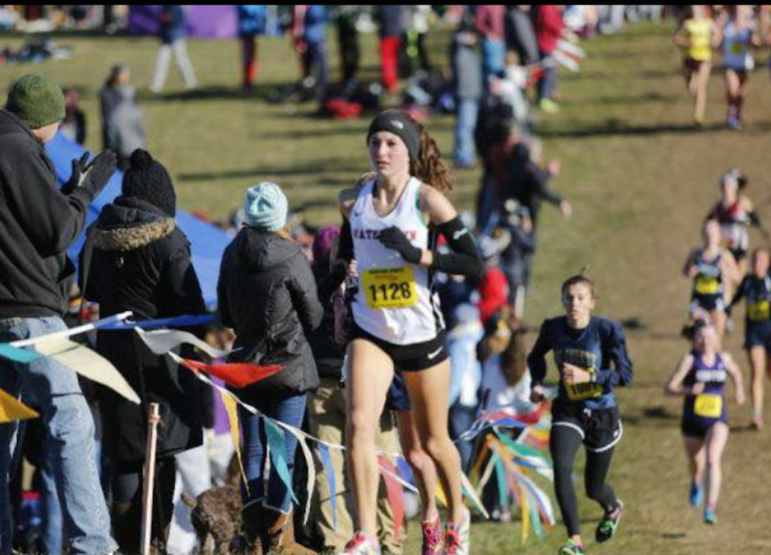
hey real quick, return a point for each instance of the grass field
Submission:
(640, 178)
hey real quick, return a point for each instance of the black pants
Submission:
(127, 491)
(350, 54)
(563, 445)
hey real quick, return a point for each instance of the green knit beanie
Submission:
(36, 100)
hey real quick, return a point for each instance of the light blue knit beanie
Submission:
(266, 207)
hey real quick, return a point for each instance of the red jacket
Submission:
(493, 293)
(548, 28)
(490, 21)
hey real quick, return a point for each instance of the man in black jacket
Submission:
(38, 222)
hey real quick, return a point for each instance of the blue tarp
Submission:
(208, 242)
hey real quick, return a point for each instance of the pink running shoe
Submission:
(432, 537)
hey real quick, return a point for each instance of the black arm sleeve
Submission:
(339, 271)
(345, 249)
(754, 219)
(464, 260)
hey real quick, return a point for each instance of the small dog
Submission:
(216, 514)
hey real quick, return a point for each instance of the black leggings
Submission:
(563, 445)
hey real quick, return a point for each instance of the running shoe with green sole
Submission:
(609, 525)
(572, 548)
(709, 517)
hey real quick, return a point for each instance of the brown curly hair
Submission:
(429, 167)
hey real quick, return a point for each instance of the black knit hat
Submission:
(148, 180)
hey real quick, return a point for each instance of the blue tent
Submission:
(208, 242)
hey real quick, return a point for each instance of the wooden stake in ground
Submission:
(153, 418)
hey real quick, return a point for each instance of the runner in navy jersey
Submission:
(755, 290)
(712, 268)
(591, 357)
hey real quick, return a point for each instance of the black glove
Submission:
(79, 168)
(99, 172)
(395, 239)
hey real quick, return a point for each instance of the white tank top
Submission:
(395, 301)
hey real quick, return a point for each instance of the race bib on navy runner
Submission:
(707, 285)
(583, 391)
(757, 312)
(708, 405)
(390, 288)
(582, 359)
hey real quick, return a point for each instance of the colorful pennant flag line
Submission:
(303, 438)
(16, 354)
(175, 322)
(91, 365)
(240, 375)
(395, 494)
(231, 408)
(510, 460)
(503, 419)
(276, 446)
(161, 342)
(12, 410)
(88, 364)
(80, 330)
(329, 471)
(117, 322)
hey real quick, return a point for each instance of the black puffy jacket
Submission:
(267, 294)
(141, 262)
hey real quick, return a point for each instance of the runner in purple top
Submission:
(700, 377)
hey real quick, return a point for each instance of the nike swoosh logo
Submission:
(458, 234)
(433, 355)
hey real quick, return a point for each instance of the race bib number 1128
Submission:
(390, 288)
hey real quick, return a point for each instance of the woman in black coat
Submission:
(267, 294)
(141, 262)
